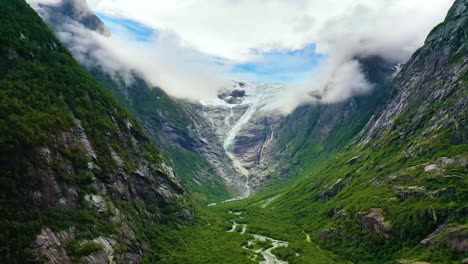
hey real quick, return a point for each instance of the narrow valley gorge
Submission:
(101, 165)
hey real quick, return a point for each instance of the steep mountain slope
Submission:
(270, 147)
(74, 10)
(198, 156)
(313, 132)
(397, 192)
(240, 117)
(227, 141)
(80, 180)
(380, 178)
(194, 151)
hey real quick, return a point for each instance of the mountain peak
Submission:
(74, 10)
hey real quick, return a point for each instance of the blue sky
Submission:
(138, 31)
(275, 66)
(282, 66)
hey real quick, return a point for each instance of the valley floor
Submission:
(259, 230)
(244, 232)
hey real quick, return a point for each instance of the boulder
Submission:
(409, 191)
(374, 220)
(96, 202)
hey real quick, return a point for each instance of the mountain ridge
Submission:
(401, 181)
(170, 122)
(80, 177)
(87, 175)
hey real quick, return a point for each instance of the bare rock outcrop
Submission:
(455, 237)
(49, 248)
(374, 220)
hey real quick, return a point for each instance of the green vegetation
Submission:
(205, 242)
(204, 185)
(260, 221)
(162, 114)
(302, 139)
(401, 171)
(85, 249)
(328, 195)
(47, 102)
(44, 93)
(259, 244)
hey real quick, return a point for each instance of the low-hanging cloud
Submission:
(193, 37)
(182, 72)
(392, 30)
(35, 3)
(162, 61)
(347, 81)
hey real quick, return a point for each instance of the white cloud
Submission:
(346, 81)
(192, 33)
(341, 29)
(233, 28)
(35, 3)
(183, 73)
(163, 61)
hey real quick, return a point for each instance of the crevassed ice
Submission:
(259, 97)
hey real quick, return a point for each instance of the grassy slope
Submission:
(302, 209)
(299, 210)
(43, 90)
(296, 213)
(155, 109)
(297, 136)
(307, 207)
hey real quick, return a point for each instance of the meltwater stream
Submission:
(268, 256)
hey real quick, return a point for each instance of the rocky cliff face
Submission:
(79, 177)
(317, 130)
(236, 139)
(72, 10)
(244, 122)
(195, 151)
(402, 177)
(436, 73)
(267, 145)
(262, 142)
(186, 138)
